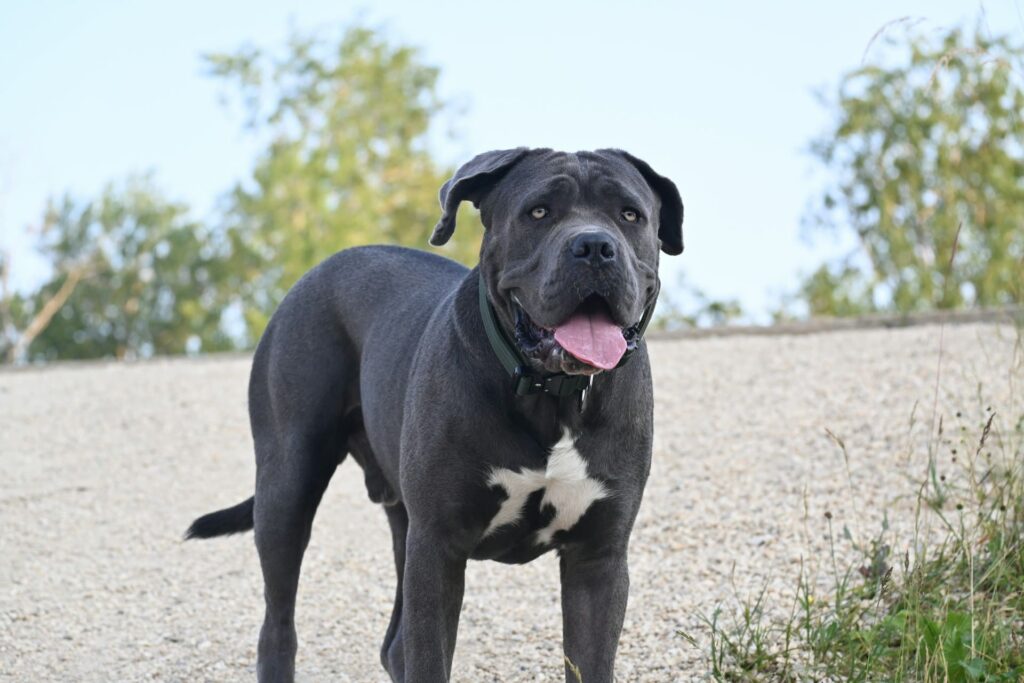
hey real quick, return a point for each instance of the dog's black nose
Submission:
(595, 247)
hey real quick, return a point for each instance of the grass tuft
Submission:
(948, 606)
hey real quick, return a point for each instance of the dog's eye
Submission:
(631, 215)
(539, 212)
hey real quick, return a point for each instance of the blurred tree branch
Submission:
(38, 323)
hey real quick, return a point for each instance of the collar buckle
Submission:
(524, 383)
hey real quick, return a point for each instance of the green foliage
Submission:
(927, 160)
(837, 291)
(344, 127)
(346, 160)
(149, 278)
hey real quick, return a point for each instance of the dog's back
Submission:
(324, 342)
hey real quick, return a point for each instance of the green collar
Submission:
(524, 381)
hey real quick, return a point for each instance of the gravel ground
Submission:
(102, 466)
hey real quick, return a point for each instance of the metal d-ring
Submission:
(586, 392)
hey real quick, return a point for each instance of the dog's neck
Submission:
(543, 414)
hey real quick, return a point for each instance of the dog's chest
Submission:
(537, 504)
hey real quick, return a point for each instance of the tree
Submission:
(346, 160)
(133, 276)
(928, 167)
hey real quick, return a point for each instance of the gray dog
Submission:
(498, 413)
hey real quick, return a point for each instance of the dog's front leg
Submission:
(432, 593)
(594, 592)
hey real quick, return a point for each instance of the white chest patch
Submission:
(567, 488)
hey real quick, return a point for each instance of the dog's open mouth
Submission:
(586, 343)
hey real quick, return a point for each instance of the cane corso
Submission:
(497, 413)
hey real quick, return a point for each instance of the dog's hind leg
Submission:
(296, 404)
(380, 491)
(391, 651)
(286, 502)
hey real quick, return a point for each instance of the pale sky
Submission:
(716, 95)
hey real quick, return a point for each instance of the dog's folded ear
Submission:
(470, 183)
(670, 217)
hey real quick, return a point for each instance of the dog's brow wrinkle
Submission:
(568, 488)
(584, 168)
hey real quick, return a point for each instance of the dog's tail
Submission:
(232, 520)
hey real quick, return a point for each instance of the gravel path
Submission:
(102, 466)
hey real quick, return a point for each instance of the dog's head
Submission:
(570, 252)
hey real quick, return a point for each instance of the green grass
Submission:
(947, 606)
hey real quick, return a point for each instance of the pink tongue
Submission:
(593, 338)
